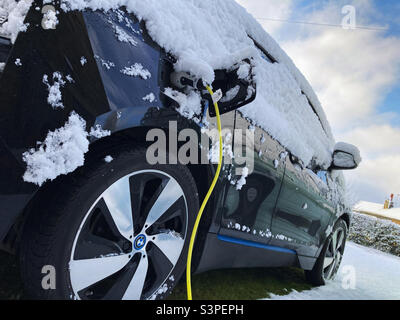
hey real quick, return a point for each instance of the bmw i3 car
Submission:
(80, 93)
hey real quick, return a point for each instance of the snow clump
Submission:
(83, 61)
(55, 97)
(61, 152)
(50, 20)
(98, 132)
(16, 12)
(150, 98)
(123, 36)
(189, 105)
(108, 159)
(242, 180)
(137, 70)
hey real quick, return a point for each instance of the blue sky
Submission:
(390, 16)
(391, 104)
(356, 75)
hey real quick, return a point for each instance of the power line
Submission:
(323, 24)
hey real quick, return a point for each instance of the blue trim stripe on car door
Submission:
(254, 244)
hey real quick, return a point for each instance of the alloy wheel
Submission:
(131, 239)
(334, 254)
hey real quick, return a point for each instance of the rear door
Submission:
(247, 213)
(303, 211)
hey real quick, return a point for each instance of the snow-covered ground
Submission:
(365, 274)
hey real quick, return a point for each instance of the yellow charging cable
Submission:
(210, 191)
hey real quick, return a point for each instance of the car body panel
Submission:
(25, 116)
(223, 252)
(113, 56)
(303, 212)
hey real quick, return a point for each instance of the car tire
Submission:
(80, 233)
(329, 261)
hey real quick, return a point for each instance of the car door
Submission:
(247, 213)
(303, 211)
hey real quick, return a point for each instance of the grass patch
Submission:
(242, 284)
(235, 284)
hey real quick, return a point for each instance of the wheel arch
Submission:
(347, 218)
(307, 263)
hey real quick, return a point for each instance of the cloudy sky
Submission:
(356, 74)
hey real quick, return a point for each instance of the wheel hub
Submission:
(140, 242)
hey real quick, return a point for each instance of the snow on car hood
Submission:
(205, 35)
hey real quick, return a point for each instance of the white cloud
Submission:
(351, 71)
(376, 179)
(377, 176)
(375, 140)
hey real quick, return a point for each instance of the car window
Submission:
(231, 202)
(264, 56)
(323, 176)
(264, 53)
(128, 61)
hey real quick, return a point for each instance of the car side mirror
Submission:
(237, 85)
(345, 157)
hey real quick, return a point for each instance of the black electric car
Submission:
(120, 229)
